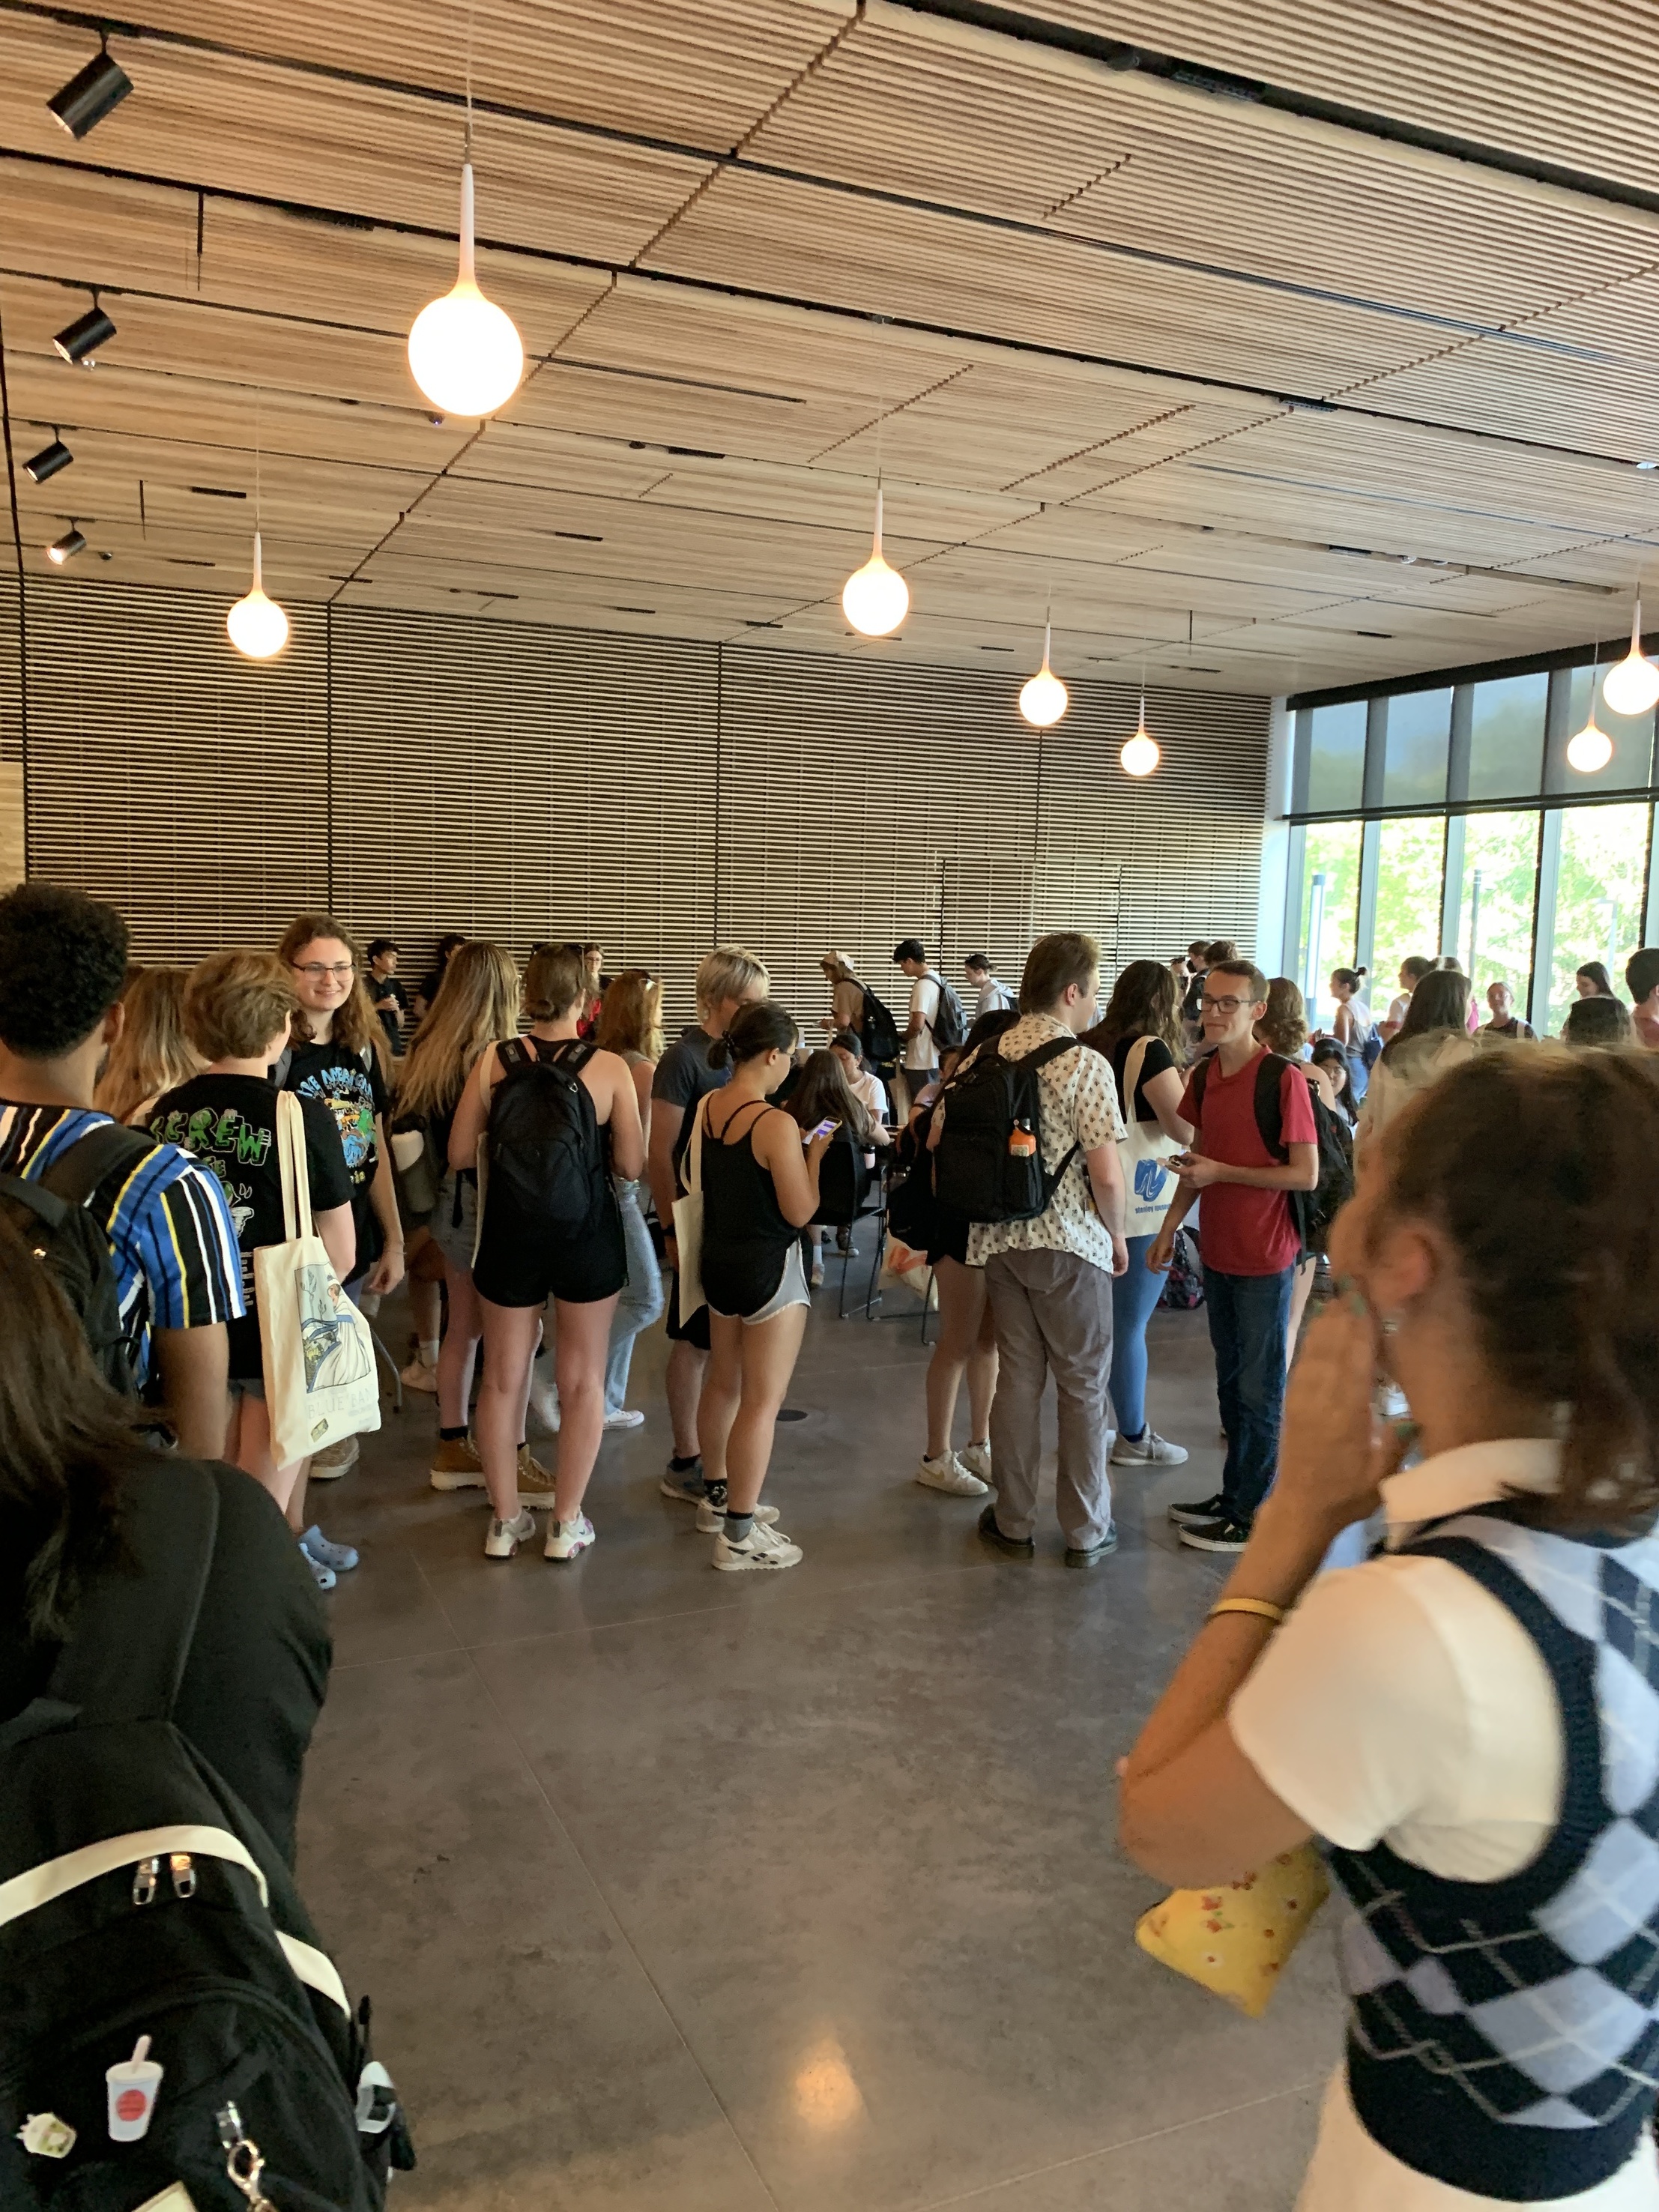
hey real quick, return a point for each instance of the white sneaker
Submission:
(328, 1465)
(544, 1405)
(976, 1458)
(1147, 1450)
(761, 1549)
(624, 1417)
(506, 1536)
(947, 1473)
(711, 1518)
(566, 1538)
(417, 1376)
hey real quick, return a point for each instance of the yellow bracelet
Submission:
(1259, 1608)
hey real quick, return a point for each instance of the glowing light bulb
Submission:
(1141, 755)
(1631, 685)
(875, 597)
(1043, 697)
(1589, 749)
(257, 624)
(463, 351)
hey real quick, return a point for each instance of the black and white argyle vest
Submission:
(1503, 2036)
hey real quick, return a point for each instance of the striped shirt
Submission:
(173, 1244)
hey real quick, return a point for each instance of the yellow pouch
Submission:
(1236, 1938)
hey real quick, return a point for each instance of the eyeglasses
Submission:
(316, 970)
(1209, 1006)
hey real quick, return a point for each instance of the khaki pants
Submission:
(1053, 1314)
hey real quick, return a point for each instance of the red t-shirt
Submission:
(1241, 1230)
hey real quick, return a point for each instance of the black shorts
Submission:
(950, 1238)
(694, 1332)
(511, 1270)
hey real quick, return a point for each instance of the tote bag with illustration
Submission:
(1143, 1150)
(688, 1227)
(320, 1384)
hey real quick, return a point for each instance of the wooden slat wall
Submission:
(420, 773)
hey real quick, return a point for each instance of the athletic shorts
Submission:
(791, 1290)
(512, 1270)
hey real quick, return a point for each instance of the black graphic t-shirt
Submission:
(353, 1093)
(228, 1122)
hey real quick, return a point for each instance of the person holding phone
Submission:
(758, 1172)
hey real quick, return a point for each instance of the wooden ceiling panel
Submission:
(664, 409)
(670, 68)
(215, 119)
(840, 501)
(1600, 407)
(881, 259)
(562, 460)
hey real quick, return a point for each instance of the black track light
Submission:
(71, 542)
(80, 339)
(88, 96)
(47, 462)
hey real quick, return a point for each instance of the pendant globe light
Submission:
(463, 351)
(1043, 697)
(257, 626)
(1141, 754)
(875, 599)
(1631, 685)
(1590, 749)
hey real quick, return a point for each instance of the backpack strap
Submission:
(1044, 1052)
(131, 1635)
(1269, 1104)
(81, 1167)
(513, 1053)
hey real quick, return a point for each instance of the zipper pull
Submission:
(183, 1874)
(146, 1875)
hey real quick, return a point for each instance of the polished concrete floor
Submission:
(686, 1892)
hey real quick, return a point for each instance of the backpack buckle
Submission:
(183, 1874)
(146, 1875)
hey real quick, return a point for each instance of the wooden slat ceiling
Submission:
(1269, 399)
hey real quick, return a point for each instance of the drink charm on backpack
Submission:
(1021, 1142)
(133, 2087)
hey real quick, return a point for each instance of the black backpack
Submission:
(161, 1908)
(880, 1034)
(985, 1167)
(843, 1182)
(1312, 1212)
(950, 1021)
(50, 1212)
(547, 1159)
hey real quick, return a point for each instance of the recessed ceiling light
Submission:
(996, 648)
(214, 491)
(1373, 633)
(633, 610)
(586, 537)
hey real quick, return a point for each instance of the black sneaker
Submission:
(684, 1483)
(1018, 1548)
(1218, 1535)
(1202, 1509)
(1095, 1553)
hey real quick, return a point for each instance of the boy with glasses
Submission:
(1250, 1241)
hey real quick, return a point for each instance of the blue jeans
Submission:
(641, 1298)
(1249, 1323)
(1135, 1294)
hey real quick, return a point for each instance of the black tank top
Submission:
(746, 1238)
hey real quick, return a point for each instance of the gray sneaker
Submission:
(1147, 1450)
(685, 1484)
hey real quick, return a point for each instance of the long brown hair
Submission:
(630, 1014)
(822, 1093)
(1538, 1169)
(62, 1431)
(152, 1053)
(1440, 1001)
(356, 1024)
(1284, 1028)
(1145, 1001)
(477, 1006)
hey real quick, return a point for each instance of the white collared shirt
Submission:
(1403, 1703)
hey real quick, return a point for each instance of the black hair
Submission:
(910, 948)
(1440, 1001)
(448, 945)
(850, 1041)
(1598, 976)
(1603, 1020)
(759, 1025)
(990, 1025)
(1350, 978)
(980, 962)
(62, 962)
(1642, 973)
(377, 945)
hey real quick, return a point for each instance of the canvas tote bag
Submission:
(688, 1227)
(1143, 1150)
(320, 1384)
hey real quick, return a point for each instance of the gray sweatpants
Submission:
(1053, 1314)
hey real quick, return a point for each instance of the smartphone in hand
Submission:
(825, 1129)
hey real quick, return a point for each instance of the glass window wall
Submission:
(1506, 736)
(1410, 866)
(1415, 749)
(1330, 912)
(1336, 758)
(1599, 900)
(1632, 764)
(1500, 887)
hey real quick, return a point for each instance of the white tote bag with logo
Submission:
(687, 1228)
(1143, 1150)
(318, 1355)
